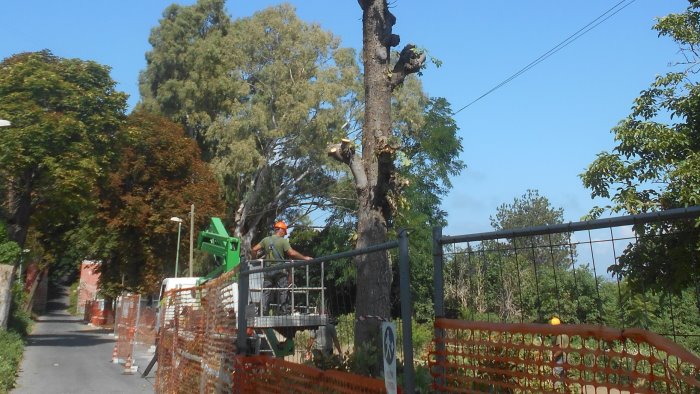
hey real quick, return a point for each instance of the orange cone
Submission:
(127, 367)
(115, 357)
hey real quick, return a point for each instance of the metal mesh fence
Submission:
(126, 319)
(145, 332)
(200, 326)
(181, 342)
(504, 358)
(526, 276)
(535, 274)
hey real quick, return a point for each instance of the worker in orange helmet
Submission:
(275, 248)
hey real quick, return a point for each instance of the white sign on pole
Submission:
(388, 332)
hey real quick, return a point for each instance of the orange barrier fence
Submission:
(262, 374)
(126, 321)
(498, 357)
(196, 345)
(97, 313)
(145, 332)
(88, 313)
(197, 351)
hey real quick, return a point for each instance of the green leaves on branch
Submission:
(655, 164)
(272, 94)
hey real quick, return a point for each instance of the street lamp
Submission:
(177, 256)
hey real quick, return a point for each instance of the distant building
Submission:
(89, 278)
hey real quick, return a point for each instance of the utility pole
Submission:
(191, 238)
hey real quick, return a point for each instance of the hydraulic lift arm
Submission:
(225, 249)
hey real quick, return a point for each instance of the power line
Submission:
(570, 39)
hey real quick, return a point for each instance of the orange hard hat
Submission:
(554, 321)
(281, 225)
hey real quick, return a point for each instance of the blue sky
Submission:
(537, 132)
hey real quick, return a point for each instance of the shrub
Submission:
(11, 347)
(12, 340)
(73, 298)
(19, 320)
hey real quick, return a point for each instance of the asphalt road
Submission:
(64, 355)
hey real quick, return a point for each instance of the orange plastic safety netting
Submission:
(499, 357)
(145, 328)
(126, 315)
(197, 338)
(261, 374)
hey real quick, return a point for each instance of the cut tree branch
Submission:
(410, 61)
(344, 152)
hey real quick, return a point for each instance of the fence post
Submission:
(137, 321)
(243, 288)
(406, 313)
(117, 312)
(439, 301)
(438, 272)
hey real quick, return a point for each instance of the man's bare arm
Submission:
(297, 256)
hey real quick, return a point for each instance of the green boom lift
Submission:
(225, 249)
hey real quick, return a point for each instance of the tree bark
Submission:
(374, 172)
(374, 270)
(19, 210)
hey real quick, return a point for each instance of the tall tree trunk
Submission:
(374, 172)
(374, 270)
(19, 210)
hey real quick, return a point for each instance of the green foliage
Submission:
(19, 320)
(9, 250)
(159, 176)
(656, 164)
(263, 107)
(429, 156)
(12, 340)
(64, 113)
(186, 78)
(364, 360)
(525, 278)
(11, 348)
(673, 316)
(73, 298)
(422, 336)
(422, 378)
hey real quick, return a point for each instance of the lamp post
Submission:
(191, 238)
(177, 255)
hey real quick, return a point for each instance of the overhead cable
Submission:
(573, 37)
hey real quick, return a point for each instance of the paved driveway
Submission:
(64, 355)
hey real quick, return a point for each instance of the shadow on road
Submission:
(67, 340)
(59, 320)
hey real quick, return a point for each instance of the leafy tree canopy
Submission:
(273, 91)
(158, 176)
(656, 165)
(65, 114)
